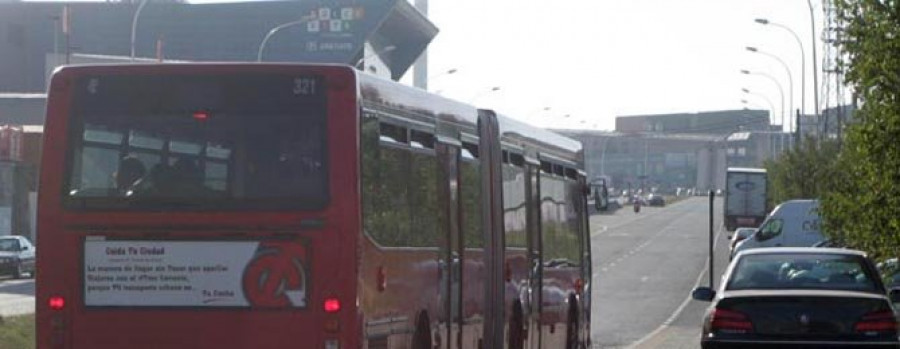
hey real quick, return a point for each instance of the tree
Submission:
(863, 209)
(805, 172)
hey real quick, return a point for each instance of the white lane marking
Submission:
(636, 217)
(684, 303)
(639, 247)
(645, 278)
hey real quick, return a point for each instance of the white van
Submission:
(793, 223)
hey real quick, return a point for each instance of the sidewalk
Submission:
(16, 297)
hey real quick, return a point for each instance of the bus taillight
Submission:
(57, 302)
(201, 115)
(332, 305)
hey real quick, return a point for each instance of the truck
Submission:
(745, 197)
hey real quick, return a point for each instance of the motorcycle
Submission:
(637, 206)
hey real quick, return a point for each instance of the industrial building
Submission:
(665, 152)
(389, 34)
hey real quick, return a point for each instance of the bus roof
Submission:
(404, 99)
(514, 129)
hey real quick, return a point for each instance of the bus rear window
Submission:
(198, 142)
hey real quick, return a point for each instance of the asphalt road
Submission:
(645, 266)
(16, 297)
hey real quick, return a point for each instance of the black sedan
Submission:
(16, 256)
(799, 297)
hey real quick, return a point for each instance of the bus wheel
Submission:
(422, 336)
(572, 325)
(516, 330)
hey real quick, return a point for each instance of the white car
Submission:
(740, 234)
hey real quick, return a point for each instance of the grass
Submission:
(17, 332)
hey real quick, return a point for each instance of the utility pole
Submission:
(420, 69)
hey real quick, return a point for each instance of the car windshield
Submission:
(9, 245)
(802, 271)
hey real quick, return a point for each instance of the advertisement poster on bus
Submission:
(138, 273)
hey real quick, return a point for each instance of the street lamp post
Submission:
(134, 21)
(536, 111)
(262, 45)
(448, 72)
(747, 105)
(386, 49)
(812, 21)
(790, 79)
(445, 73)
(763, 97)
(492, 89)
(764, 21)
(777, 84)
(562, 119)
(771, 107)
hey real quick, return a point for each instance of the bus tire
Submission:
(516, 332)
(572, 325)
(422, 335)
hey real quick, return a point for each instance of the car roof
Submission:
(803, 250)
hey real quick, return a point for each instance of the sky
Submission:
(594, 60)
(580, 63)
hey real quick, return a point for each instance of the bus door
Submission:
(586, 263)
(448, 153)
(535, 251)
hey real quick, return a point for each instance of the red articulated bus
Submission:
(301, 206)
